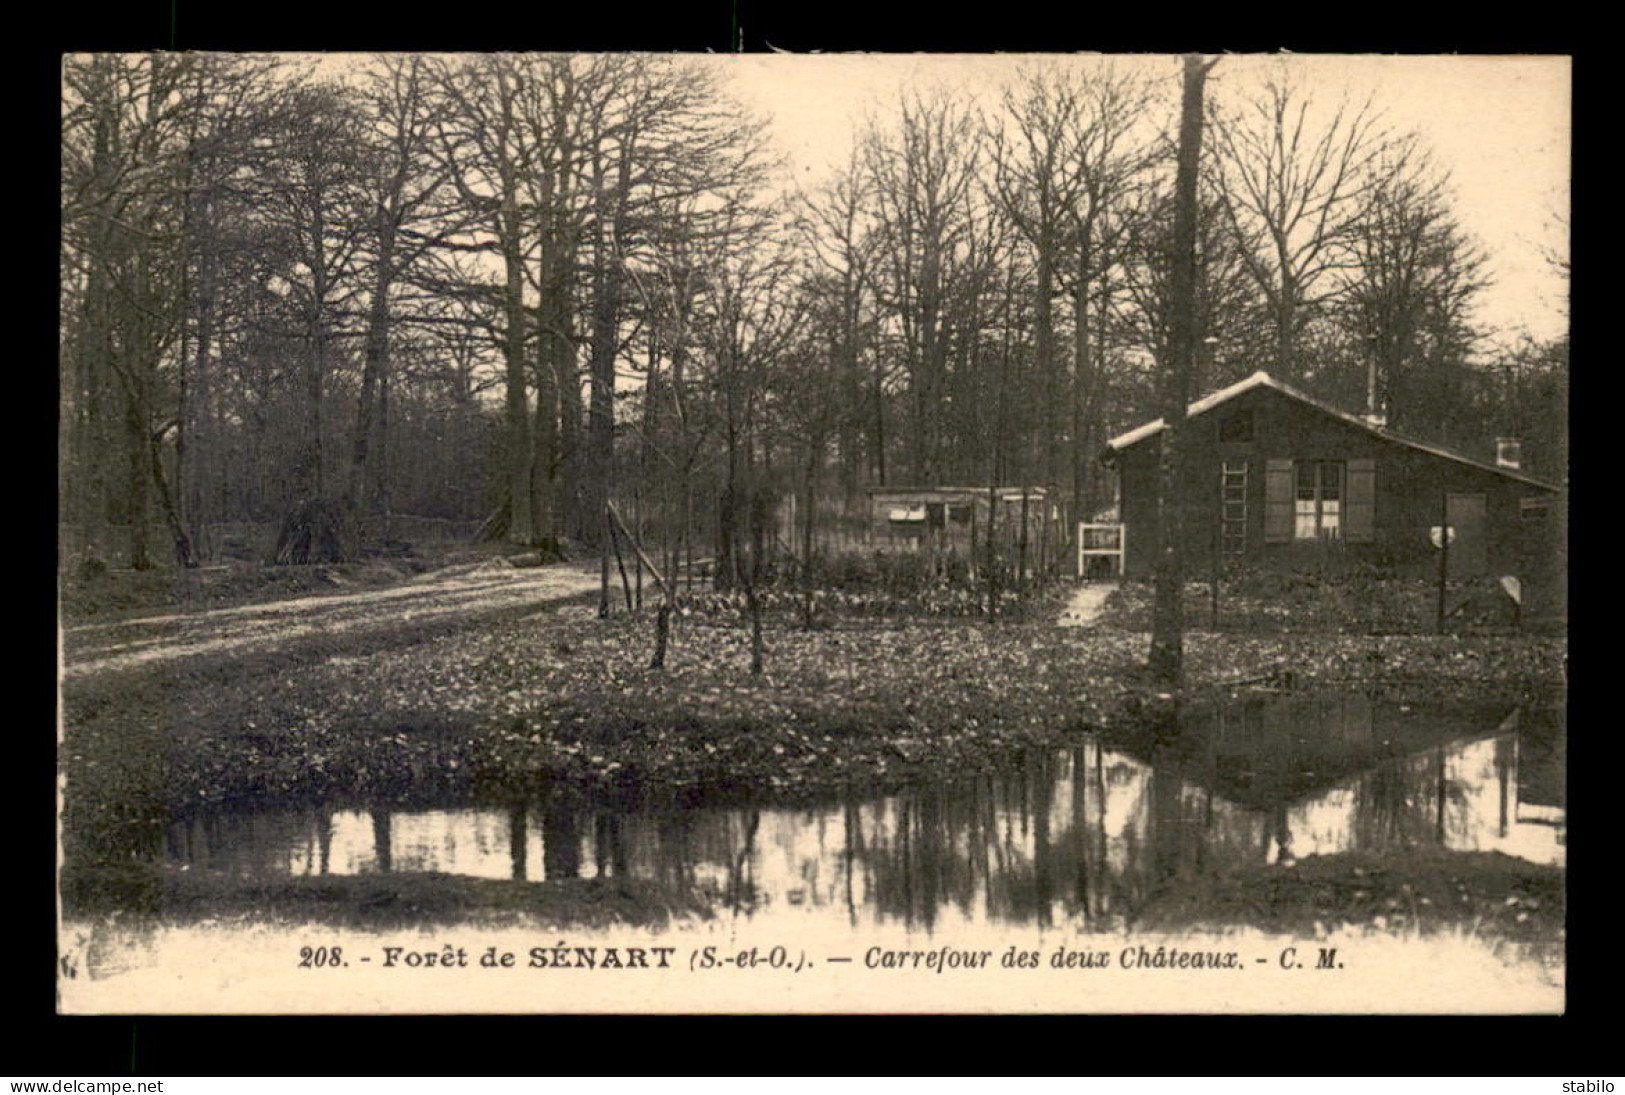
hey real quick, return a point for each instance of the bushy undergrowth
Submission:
(828, 607)
(882, 585)
(899, 573)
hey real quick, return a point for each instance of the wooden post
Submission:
(1444, 555)
(662, 631)
(1021, 551)
(1043, 539)
(992, 559)
(620, 564)
(603, 569)
(665, 587)
(1218, 550)
(637, 517)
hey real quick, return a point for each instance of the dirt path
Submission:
(1086, 604)
(456, 591)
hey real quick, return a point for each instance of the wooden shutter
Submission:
(1359, 526)
(1277, 501)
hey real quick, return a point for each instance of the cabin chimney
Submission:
(1508, 452)
(1374, 416)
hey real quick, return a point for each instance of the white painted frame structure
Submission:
(1085, 551)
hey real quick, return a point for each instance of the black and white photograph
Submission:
(852, 533)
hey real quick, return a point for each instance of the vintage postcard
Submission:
(663, 533)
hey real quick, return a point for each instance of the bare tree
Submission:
(408, 194)
(838, 233)
(1065, 162)
(482, 139)
(1415, 281)
(126, 123)
(311, 197)
(922, 178)
(750, 319)
(1296, 180)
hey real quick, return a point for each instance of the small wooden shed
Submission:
(953, 519)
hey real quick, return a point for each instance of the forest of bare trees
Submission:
(509, 290)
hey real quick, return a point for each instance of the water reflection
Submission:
(1086, 834)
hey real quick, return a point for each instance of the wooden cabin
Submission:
(1277, 478)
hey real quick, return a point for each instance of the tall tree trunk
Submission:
(1082, 397)
(601, 375)
(138, 454)
(1167, 620)
(362, 497)
(725, 568)
(386, 497)
(521, 527)
(544, 451)
(879, 443)
(197, 417)
(809, 521)
(93, 445)
(571, 492)
(314, 485)
(185, 549)
(1046, 364)
(1285, 338)
(606, 331)
(556, 353)
(851, 429)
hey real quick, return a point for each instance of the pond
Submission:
(1090, 835)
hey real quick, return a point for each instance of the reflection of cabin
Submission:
(951, 520)
(1276, 477)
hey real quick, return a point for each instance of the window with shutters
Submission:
(1317, 510)
(1320, 500)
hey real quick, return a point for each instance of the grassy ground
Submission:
(1279, 603)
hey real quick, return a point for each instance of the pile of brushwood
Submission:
(316, 530)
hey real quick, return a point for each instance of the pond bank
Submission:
(153, 892)
(560, 696)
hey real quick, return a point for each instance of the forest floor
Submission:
(475, 681)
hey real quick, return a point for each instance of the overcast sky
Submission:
(1500, 125)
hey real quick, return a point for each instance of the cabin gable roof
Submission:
(1263, 379)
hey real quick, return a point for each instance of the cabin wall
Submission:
(1409, 490)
